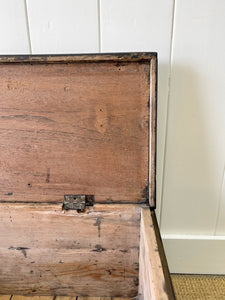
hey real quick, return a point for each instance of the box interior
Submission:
(77, 127)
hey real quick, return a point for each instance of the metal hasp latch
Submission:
(77, 202)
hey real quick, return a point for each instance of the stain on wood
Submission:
(98, 223)
(22, 249)
(48, 175)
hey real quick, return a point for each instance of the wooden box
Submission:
(77, 158)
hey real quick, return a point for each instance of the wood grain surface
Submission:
(75, 125)
(9, 297)
(153, 284)
(74, 128)
(91, 57)
(47, 251)
(152, 132)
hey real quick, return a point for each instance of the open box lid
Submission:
(78, 124)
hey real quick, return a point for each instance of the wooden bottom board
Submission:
(11, 297)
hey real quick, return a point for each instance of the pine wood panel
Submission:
(69, 253)
(77, 128)
(152, 133)
(154, 279)
(69, 58)
(67, 298)
(17, 297)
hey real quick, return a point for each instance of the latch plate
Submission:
(77, 202)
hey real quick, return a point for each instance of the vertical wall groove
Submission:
(167, 114)
(28, 27)
(99, 26)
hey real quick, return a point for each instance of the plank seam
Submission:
(167, 114)
(99, 27)
(28, 27)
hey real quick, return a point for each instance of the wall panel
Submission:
(195, 149)
(14, 37)
(69, 26)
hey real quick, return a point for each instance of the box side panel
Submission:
(46, 251)
(152, 132)
(154, 278)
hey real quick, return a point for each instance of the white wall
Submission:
(189, 38)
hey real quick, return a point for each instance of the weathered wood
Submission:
(95, 298)
(168, 281)
(115, 57)
(19, 297)
(66, 298)
(78, 125)
(90, 298)
(5, 297)
(44, 226)
(74, 128)
(116, 298)
(152, 133)
(53, 252)
(152, 280)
